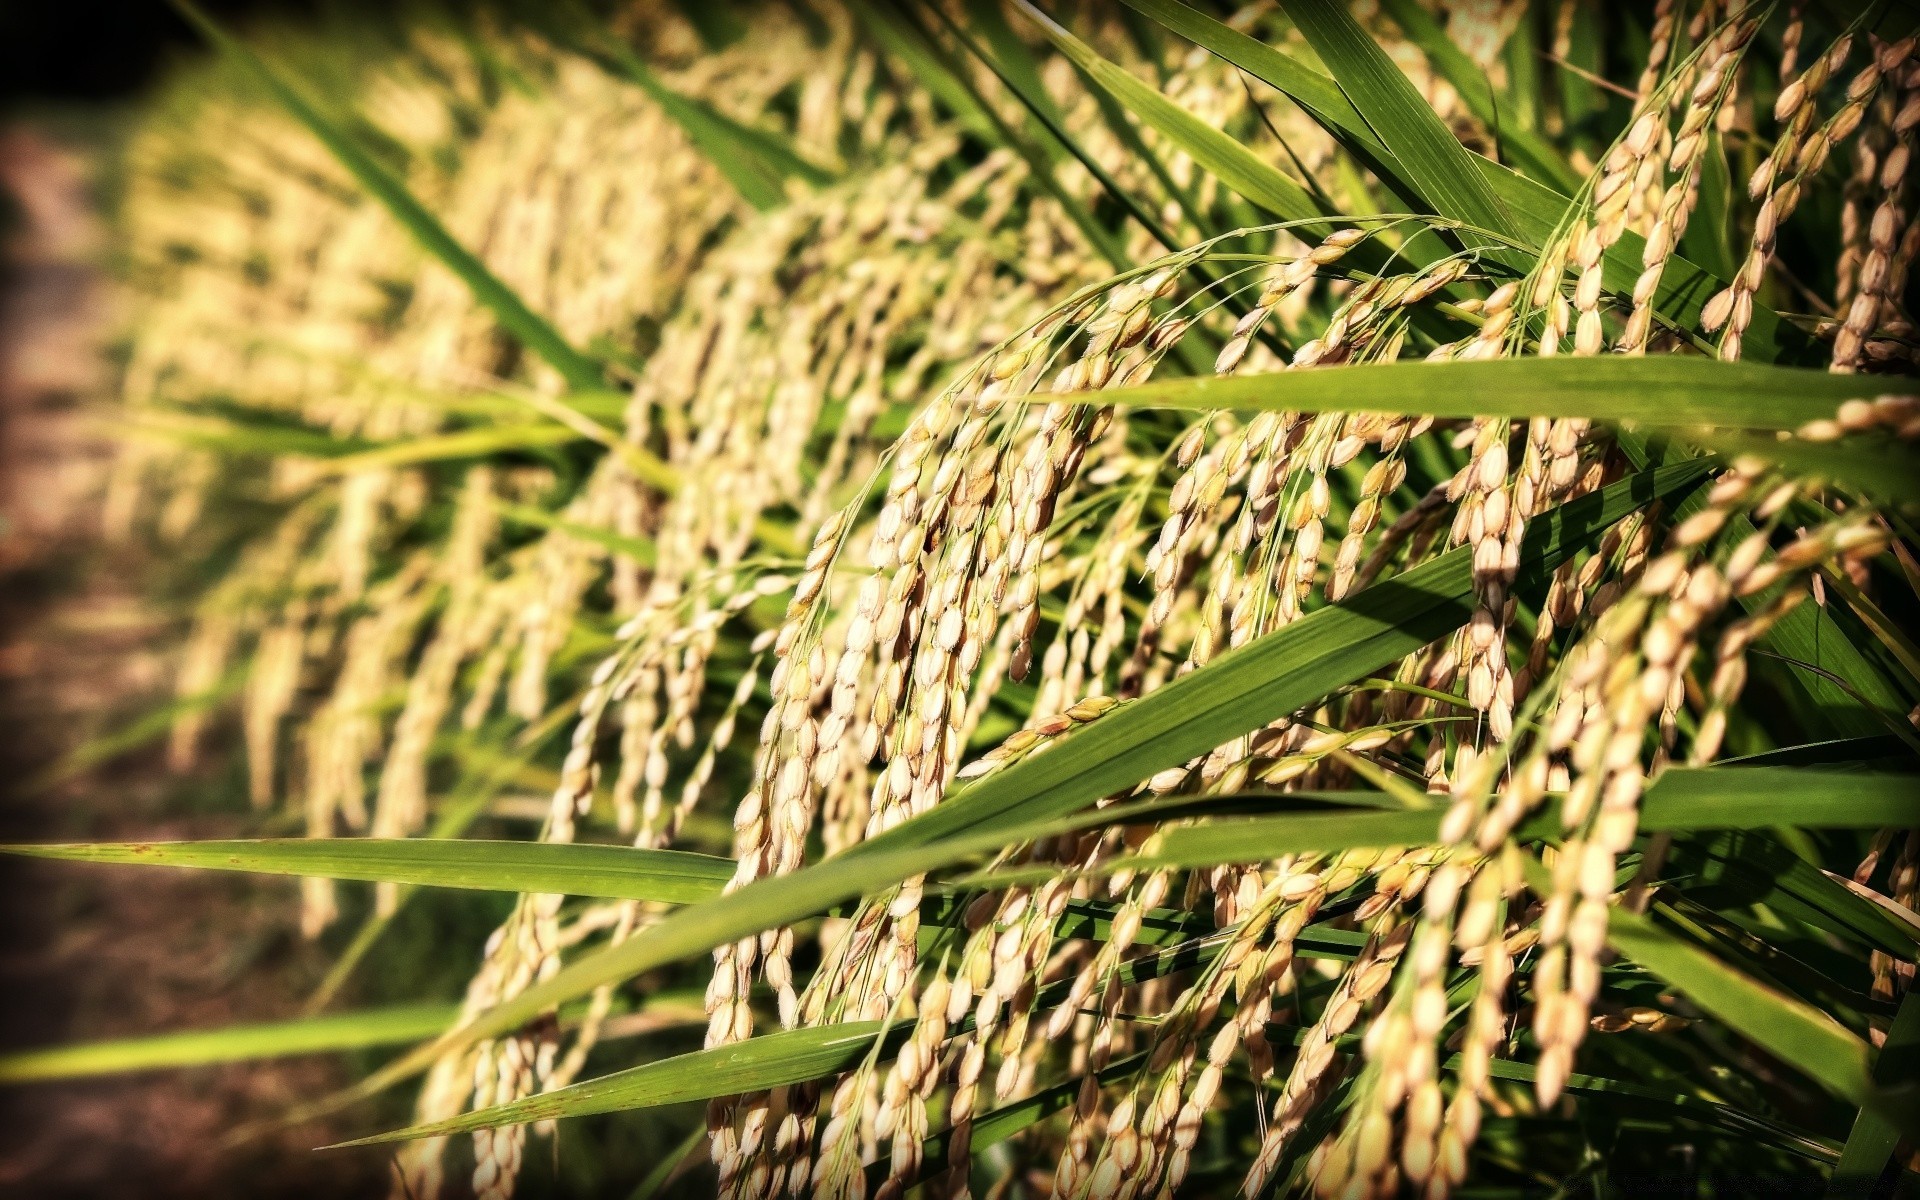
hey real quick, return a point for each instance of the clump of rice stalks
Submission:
(1266, 627)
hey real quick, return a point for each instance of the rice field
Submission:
(1136, 599)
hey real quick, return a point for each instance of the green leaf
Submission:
(1880, 467)
(901, 33)
(795, 1056)
(1440, 169)
(532, 330)
(1026, 88)
(1838, 692)
(798, 1055)
(612, 872)
(755, 161)
(1789, 1029)
(770, 1060)
(1682, 798)
(1709, 237)
(1757, 797)
(1535, 153)
(904, 42)
(1014, 61)
(1742, 869)
(314, 1035)
(1871, 1142)
(1235, 166)
(1668, 390)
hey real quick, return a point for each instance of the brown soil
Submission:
(89, 953)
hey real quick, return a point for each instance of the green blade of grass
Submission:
(1681, 799)
(1839, 693)
(279, 1039)
(1044, 116)
(1475, 90)
(767, 1061)
(755, 161)
(900, 32)
(1014, 60)
(1441, 169)
(316, 1034)
(1737, 869)
(532, 330)
(903, 42)
(1268, 678)
(1880, 467)
(1710, 236)
(801, 1055)
(795, 1056)
(1873, 1138)
(1236, 167)
(1662, 390)
(1789, 1029)
(576, 869)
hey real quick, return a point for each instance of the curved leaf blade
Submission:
(576, 869)
(1790, 1029)
(1684, 798)
(1669, 391)
(1476, 91)
(770, 1060)
(1441, 169)
(195, 1048)
(1236, 166)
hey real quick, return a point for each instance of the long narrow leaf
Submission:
(1871, 1142)
(1742, 869)
(1236, 166)
(1666, 390)
(613, 872)
(755, 161)
(639, 549)
(1681, 799)
(800, 1055)
(279, 1039)
(1433, 160)
(1270, 677)
(790, 1056)
(1789, 1029)
(480, 442)
(1839, 692)
(1475, 90)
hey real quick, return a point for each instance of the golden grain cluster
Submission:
(851, 528)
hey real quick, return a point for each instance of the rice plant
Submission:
(1153, 600)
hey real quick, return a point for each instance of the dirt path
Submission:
(91, 953)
